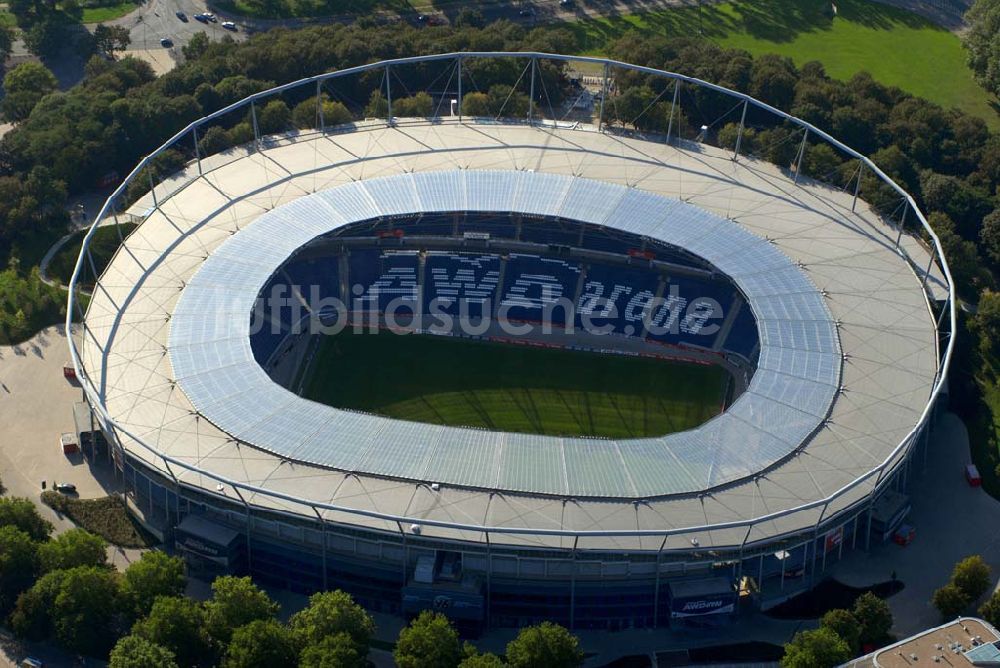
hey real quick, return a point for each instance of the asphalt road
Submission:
(157, 19)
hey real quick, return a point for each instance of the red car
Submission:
(972, 476)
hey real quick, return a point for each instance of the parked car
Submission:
(64, 487)
(182, 16)
(229, 25)
(201, 18)
(166, 42)
(211, 17)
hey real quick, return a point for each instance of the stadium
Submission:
(516, 366)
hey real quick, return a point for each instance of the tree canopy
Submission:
(982, 41)
(76, 547)
(428, 641)
(546, 645)
(973, 576)
(874, 618)
(18, 565)
(950, 601)
(263, 643)
(330, 613)
(23, 514)
(24, 86)
(336, 651)
(154, 574)
(819, 648)
(235, 602)
(136, 652)
(178, 624)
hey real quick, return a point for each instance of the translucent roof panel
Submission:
(797, 377)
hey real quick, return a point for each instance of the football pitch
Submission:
(461, 383)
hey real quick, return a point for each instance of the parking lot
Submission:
(36, 407)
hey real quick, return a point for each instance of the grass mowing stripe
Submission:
(513, 388)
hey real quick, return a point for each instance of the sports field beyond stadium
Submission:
(442, 380)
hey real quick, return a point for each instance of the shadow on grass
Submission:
(771, 20)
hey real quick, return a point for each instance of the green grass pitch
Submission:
(443, 380)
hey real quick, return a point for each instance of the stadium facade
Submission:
(836, 314)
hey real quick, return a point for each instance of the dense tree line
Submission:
(982, 40)
(950, 161)
(63, 589)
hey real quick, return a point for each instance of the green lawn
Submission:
(108, 13)
(898, 48)
(512, 388)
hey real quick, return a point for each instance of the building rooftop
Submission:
(967, 641)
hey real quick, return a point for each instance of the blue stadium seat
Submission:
(616, 297)
(385, 276)
(471, 278)
(533, 284)
(691, 312)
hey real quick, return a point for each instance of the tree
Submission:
(475, 104)
(821, 162)
(336, 651)
(486, 660)
(821, 648)
(135, 652)
(45, 38)
(154, 574)
(378, 106)
(305, 117)
(330, 613)
(547, 645)
(32, 617)
(469, 17)
(76, 547)
(428, 641)
(990, 610)
(108, 39)
(261, 644)
(972, 576)
(23, 514)
(6, 43)
(874, 618)
(25, 85)
(236, 602)
(274, 117)
(178, 624)
(196, 46)
(84, 612)
(418, 106)
(950, 601)
(989, 236)
(845, 625)
(18, 566)
(215, 140)
(982, 40)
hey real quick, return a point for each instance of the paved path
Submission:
(952, 521)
